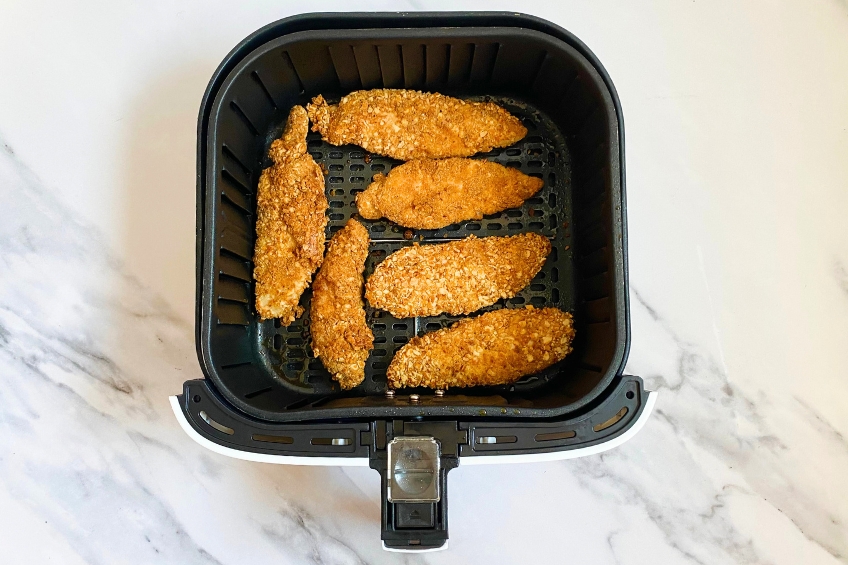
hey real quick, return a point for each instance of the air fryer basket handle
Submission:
(414, 504)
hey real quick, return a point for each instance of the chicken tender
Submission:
(340, 336)
(407, 124)
(431, 194)
(457, 277)
(493, 349)
(290, 223)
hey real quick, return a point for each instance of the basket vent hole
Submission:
(514, 164)
(534, 151)
(379, 365)
(513, 213)
(336, 167)
(535, 164)
(612, 421)
(212, 423)
(400, 339)
(379, 327)
(336, 217)
(337, 441)
(433, 326)
(335, 154)
(514, 226)
(379, 339)
(357, 179)
(494, 226)
(399, 326)
(256, 393)
(378, 228)
(485, 440)
(513, 152)
(336, 180)
(472, 227)
(278, 342)
(378, 167)
(357, 167)
(537, 287)
(336, 204)
(379, 352)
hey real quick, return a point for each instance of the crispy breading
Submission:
(408, 124)
(431, 194)
(340, 336)
(290, 224)
(457, 277)
(493, 349)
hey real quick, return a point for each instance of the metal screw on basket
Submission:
(439, 393)
(414, 398)
(390, 393)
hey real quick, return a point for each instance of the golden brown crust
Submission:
(290, 224)
(340, 336)
(496, 348)
(432, 194)
(457, 277)
(408, 124)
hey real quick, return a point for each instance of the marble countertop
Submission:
(736, 120)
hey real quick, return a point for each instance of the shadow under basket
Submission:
(263, 381)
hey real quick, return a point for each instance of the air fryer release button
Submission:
(414, 515)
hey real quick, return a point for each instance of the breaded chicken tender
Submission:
(407, 124)
(290, 223)
(431, 194)
(493, 349)
(457, 277)
(340, 336)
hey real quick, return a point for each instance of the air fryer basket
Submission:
(266, 398)
(268, 371)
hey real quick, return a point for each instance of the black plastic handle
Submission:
(415, 526)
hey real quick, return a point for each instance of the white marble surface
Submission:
(736, 118)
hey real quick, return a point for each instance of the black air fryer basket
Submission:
(265, 397)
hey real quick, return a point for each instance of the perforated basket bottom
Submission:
(286, 352)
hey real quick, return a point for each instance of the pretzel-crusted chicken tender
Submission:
(340, 336)
(290, 223)
(408, 124)
(432, 194)
(493, 349)
(457, 277)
